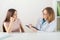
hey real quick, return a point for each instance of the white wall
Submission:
(28, 10)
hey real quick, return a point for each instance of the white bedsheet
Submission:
(30, 36)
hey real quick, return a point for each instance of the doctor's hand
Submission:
(30, 25)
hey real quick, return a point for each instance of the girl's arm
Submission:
(8, 27)
(21, 28)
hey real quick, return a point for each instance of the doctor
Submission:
(47, 23)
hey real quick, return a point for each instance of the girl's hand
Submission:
(11, 19)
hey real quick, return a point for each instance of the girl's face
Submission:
(15, 15)
(45, 14)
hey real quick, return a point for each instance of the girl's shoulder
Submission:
(6, 23)
(18, 20)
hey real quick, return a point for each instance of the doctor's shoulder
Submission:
(40, 20)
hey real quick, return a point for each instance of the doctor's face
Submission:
(45, 14)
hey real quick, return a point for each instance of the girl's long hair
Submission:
(10, 13)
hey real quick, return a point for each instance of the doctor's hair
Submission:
(51, 14)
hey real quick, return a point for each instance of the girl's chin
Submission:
(15, 18)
